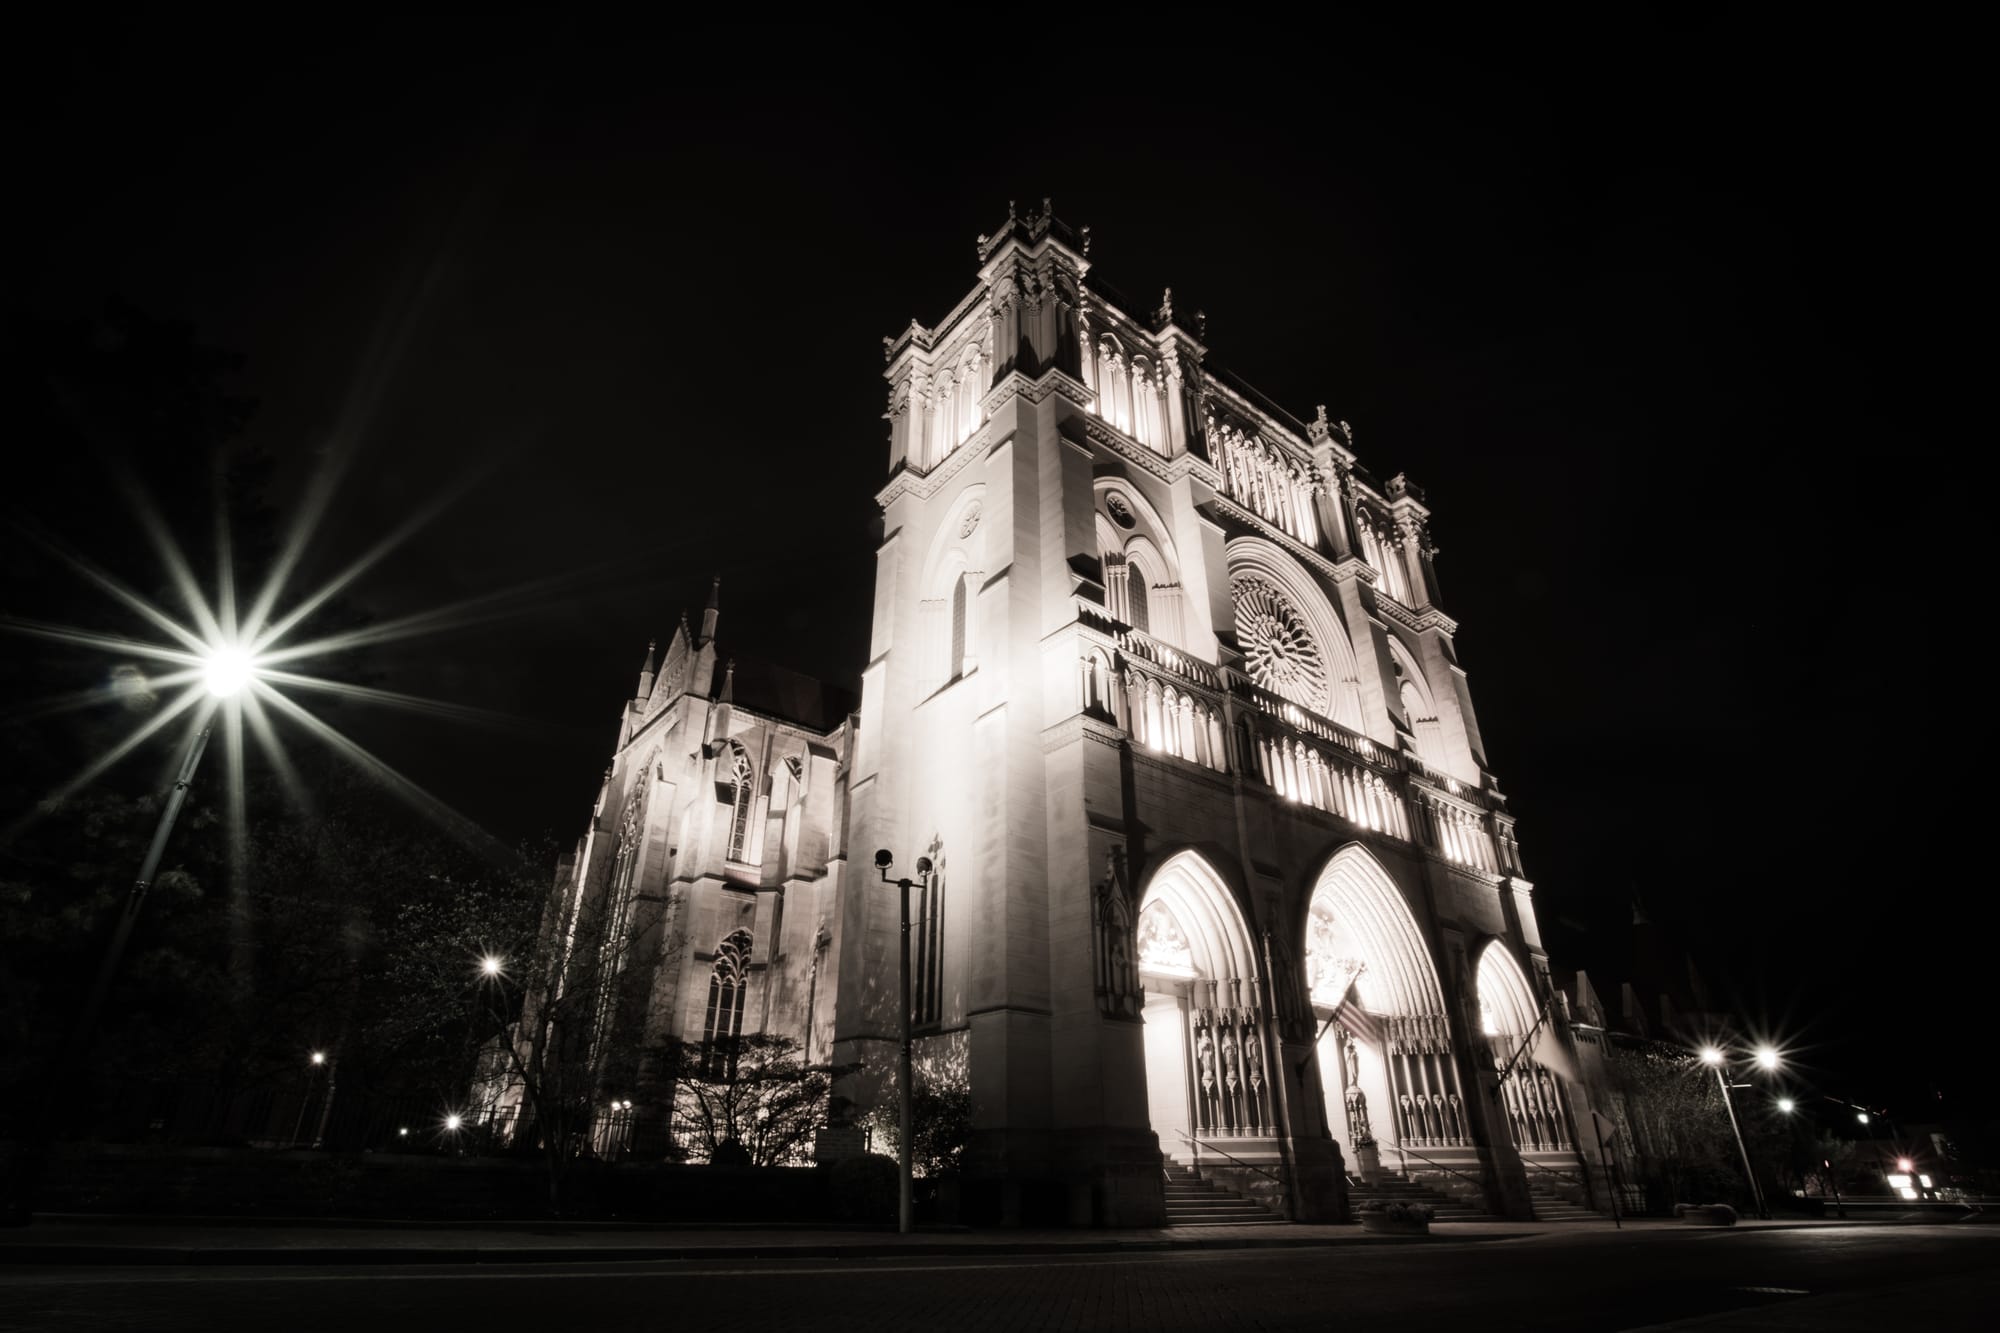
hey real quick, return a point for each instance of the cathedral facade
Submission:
(1160, 687)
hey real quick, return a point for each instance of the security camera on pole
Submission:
(883, 860)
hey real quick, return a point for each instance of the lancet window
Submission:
(927, 974)
(1266, 480)
(724, 1024)
(742, 797)
(1141, 580)
(1384, 556)
(618, 897)
(958, 404)
(1114, 386)
(1420, 710)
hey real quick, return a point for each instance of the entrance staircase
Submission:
(1194, 1202)
(1397, 1189)
(1552, 1207)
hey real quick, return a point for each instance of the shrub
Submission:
(1399, 1210)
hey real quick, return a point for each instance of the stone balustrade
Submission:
(1172, 704)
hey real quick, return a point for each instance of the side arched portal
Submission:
(1385, 1056)
(1530, 1094)
(1207, 1048)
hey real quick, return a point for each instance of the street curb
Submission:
(170, 1256)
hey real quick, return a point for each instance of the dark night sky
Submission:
(1653, 313)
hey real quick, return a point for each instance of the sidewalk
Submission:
(81, 1239)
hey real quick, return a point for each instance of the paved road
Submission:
(1927, 1278)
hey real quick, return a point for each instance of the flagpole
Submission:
(1520, 1050)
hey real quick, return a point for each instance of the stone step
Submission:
(1194, 1202)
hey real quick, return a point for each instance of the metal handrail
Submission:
(1247, 1166)
(1411, 1152)
(1551, 1171)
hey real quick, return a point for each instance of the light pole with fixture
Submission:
(313, 1066)
(225, 671)
(1768, 1059)
(884, 860)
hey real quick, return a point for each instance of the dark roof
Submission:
(765, 687)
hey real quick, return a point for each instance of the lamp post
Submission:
(226, 670)
(1712, 1057)
(884, 860)
(313, 1066)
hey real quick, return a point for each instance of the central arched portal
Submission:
(1207, 1059)
(1385, 1054)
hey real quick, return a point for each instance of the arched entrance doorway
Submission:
(1530, 1093)
(1207, 1059)
(1385, 1046)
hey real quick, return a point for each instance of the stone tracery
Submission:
(1281, 652)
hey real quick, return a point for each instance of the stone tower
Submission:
(1159, 679)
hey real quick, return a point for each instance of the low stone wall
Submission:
(227, 1182)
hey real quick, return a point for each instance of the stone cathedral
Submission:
(1161, 685)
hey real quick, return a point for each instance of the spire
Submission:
(709, 614)
(648, 671)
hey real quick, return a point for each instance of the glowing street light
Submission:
(491, 965)
(1787, 1105)
(1767, 1058)
(1712, 1057)
(319, 1057)
(453, 1121)
(1861, 1117)
(226, 669)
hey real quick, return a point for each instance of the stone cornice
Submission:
(1291, 545)
(1076, 727)
(1097, 431)
(1416, 621)
(923, 485)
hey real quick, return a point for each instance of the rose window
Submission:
(1280, 651)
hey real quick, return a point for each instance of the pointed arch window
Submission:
(741, 797)
(724, 1024)
(927, 976)
(1138, 613)
(958, 614)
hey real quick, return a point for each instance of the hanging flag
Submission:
(1366, 1027)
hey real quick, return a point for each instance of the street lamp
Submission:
(313, 1063)
(1787, 1105)
(884, 860)
(1766, 1058)
(225, 670)
(1712, 1057)
(490, 965)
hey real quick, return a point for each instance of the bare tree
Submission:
(557, 1008)
(752, 1100)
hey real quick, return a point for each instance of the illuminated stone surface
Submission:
(1157, 672)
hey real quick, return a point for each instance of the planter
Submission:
(1709, 1217)
(1382, 1225)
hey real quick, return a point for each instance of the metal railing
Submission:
(1221, 1152)
(1479, 1185)
(1533, 1167)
